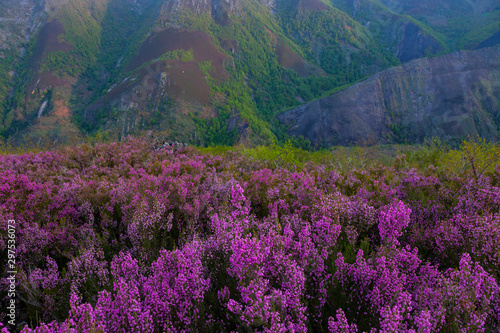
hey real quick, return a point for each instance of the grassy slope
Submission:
(462, 28)
(381, 21)
(487, 26)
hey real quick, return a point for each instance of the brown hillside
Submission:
(291, 60)
(170, 40)
(49, 40)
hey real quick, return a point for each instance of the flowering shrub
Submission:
(392, 222)
(121, 238)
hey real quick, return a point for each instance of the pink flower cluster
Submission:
(122, 238)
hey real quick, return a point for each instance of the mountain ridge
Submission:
(450, 97)
(85, 69)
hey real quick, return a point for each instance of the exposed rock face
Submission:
(197, 6)
(53, 5)
(270, 4)
(220, 10)
(449, 97)
(18, 20)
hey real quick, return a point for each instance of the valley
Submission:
(214, 72)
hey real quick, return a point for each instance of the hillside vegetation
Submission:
(86, 68)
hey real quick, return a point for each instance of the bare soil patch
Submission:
(181, 80)
(185, 80)
(170, 40)
(291, 60)
(49, 41)
(45, 81)
(61, 110)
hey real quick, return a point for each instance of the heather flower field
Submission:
(119, 237)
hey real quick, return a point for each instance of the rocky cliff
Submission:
(450, 97)
(220, 10)
(18, 21)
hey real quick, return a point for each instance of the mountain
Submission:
(450, 97)
(464, 23)
(18, 23)
(205, 71)
(405, 36)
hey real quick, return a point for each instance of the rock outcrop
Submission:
(450, 97)
(173, 145)
(220, 10)
(19, 21)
